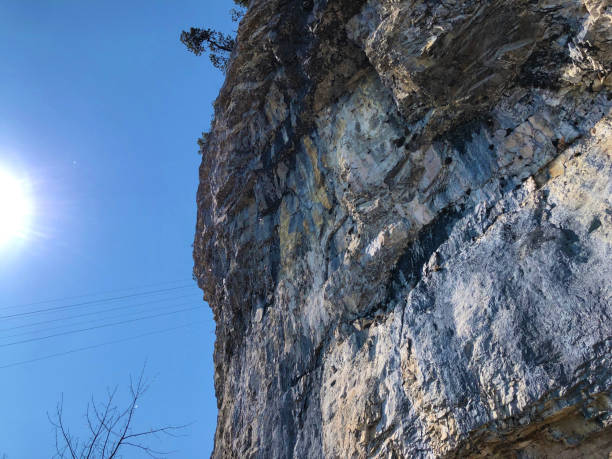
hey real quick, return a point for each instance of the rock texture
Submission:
(405, 230)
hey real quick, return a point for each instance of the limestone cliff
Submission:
(405, 230)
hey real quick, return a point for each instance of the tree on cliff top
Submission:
(217, 44)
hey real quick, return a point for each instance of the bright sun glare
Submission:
(15, 207)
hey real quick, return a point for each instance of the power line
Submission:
(59, 354)
(87, 303)
(56, 300)
(95, 328)
(120, 316)
(32, 324)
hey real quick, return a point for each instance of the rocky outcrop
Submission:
(405, 230)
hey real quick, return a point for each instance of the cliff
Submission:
(405, 230)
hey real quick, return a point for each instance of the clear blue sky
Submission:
(100, 107)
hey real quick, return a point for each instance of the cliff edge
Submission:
(405, 230)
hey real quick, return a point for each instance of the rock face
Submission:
(405, 230)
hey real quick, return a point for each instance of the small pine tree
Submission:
(218, 44)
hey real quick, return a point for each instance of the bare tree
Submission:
(110, 429)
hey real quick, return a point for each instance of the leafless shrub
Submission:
(110, 428)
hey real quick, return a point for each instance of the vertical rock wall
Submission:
(405, 230)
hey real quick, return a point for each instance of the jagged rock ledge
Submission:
(405, 230)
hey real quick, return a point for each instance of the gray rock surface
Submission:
(405, 230)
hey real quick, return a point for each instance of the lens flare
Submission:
(16, 207)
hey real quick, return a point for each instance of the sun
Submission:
(15, 207)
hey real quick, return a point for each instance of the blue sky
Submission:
(100, 108)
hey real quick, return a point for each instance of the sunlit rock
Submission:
(405, 230)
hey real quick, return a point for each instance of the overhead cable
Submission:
(90, 322)
(106, 292)
(102, 311)
(14, 343)
(88, 303)
(86, 348)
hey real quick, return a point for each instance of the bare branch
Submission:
(166, 430)
(110, 430)
(151, 452)
(65, 434)
(96, 432)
